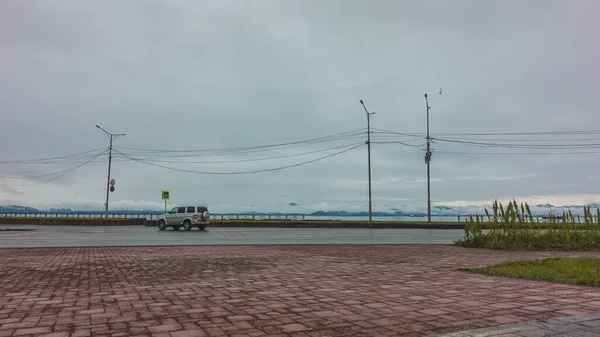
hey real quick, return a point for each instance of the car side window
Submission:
(191, 209)
(202, 209)
(181, 210)
(173, 210)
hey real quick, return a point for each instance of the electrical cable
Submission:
(398, 142)
(43, 160)
(76, 157)
(527, 146)
(249, 160)
(572, 132)
(243, 172)
(306, 141)
(415, 135)
(41, 170)
(519, 153)
(61, 174)
(159, 157)
(188, 153)
(523, 140)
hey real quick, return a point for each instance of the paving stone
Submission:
(188, 333)
(303, 290)
(55, 334)
(293, 328)
(31, 331)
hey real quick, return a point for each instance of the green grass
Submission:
(581, 271)
(516, 229)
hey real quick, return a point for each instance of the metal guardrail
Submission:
(232, 216)
(224, 216)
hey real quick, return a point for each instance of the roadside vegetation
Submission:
(515, 228)
(580, 271)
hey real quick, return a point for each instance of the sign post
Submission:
(166, 196)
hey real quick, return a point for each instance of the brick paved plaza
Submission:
(332, 290)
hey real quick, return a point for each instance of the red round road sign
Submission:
(112, 188)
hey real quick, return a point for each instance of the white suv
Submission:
(186, 216)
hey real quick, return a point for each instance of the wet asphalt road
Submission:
(80, 236)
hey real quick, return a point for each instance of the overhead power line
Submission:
(569, 132)
(161, 157)
(357, 134)
(338, 136)
(469, 138)
(513, 145)
(166, 158)
(241, 172)
(154, 153)
(399, 142)
(204, 154)
(60, 174)
(41, 170)
(51, 159)
(518, 153)
(246, 160)
(415, 135)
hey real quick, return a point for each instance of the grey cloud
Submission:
(226, 74)
(10, 190)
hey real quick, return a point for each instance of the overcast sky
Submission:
(194, 75)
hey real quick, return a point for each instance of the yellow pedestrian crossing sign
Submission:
(165, 195)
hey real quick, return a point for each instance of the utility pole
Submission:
(111, 137)
(427, 161)
(369, 155)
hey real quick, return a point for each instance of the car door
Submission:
(180, 215)
(171, 216)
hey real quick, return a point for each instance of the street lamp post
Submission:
(111, 137)
(427, 161)
(369, 114)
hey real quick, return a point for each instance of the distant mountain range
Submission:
(394, 212)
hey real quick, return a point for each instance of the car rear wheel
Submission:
(187, 225)
(162, 225)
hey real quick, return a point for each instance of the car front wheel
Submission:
(162, 225)
(187, 225)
